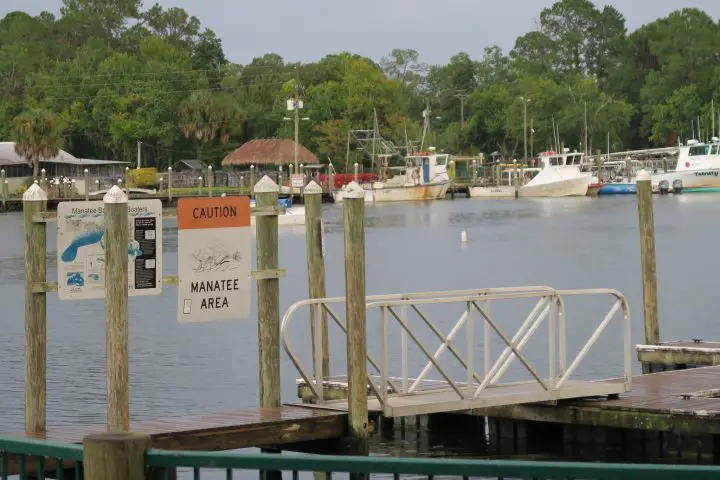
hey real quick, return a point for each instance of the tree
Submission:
(207, 116)
(37, 135)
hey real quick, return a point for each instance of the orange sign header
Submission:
(217, 212)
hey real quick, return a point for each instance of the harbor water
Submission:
(179, 369)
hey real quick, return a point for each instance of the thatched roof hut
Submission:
(275, 151)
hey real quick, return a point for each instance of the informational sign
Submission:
(81, 249)
(214, 238)
(298, 180)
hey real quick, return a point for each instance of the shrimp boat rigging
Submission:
(559, 176)
(421, 176)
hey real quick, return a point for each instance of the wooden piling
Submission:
(3, 189)
(116, 310)
(647, 257)
(87, 184)
(35, 201)
(169, 186)
(356, 172)
(268, 291)
(115, 456)
(210, 180)
(316, 270)
(354, 206)
(266, 230)
(599, 164)
(252, 181)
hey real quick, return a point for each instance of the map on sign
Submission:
(81, 249)
(214, 259)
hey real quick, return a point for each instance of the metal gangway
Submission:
(407, 394)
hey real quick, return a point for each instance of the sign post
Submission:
(81, 249)
(214, 239)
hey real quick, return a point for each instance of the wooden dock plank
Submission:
(223, 431)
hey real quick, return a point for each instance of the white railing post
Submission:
(404, 346)
(487, 334)
(552, 341)
(383, 356)
(470, 350)
(318, 351)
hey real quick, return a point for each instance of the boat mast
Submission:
(374, 139)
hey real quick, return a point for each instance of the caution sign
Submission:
(214, 238)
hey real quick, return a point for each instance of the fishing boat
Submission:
(560, 176)
(294, 214)
(507, 187)
(615, 178)
(697, 169)
(424, 177)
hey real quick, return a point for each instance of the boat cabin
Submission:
(699, 155)
(427, 167)
(554, 159)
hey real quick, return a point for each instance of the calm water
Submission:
(565, 243)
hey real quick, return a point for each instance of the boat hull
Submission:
(400, 194)
(593, 189)
(696, 180)
(504, 191)
(618, 189)
(568, 187)
(292, 216)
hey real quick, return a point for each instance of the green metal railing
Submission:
(162, 460)
(35, 458)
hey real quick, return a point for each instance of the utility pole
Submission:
(532, 139)
(461, 95)
(585, 138)
(296, 106)
(525, 102)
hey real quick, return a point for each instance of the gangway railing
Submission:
(474, 388)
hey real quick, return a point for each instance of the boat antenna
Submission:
(347, 154)
(692, 122)
(712, 115)
(426, 123)
(699, 130)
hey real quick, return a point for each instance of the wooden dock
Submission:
(280, 427)
(679, 401)
(679, 355)
(221, 431)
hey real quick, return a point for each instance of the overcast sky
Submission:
(306, 30)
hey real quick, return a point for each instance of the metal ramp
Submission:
(462, 386)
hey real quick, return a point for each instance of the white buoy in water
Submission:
(463, 236)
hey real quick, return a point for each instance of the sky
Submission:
(307, 30)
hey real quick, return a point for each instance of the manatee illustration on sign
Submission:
(214, 242)
(81, 249)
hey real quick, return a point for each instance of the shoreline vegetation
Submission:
(107, 80)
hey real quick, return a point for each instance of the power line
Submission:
(165, 92)
(288, 68)
(145, 82)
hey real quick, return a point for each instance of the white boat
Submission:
(560, 177)
(294, 214)
(424, 177)
(508, 186)
(698, 169)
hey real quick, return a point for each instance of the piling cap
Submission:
(643, 176)
(354, 190)
(115, 195)
(266, 185)
(34, 194)
(312, 187)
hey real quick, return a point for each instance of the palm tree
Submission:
(205, 116)
(38, 136)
